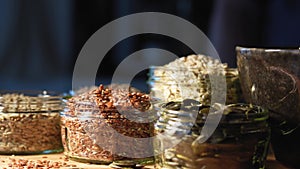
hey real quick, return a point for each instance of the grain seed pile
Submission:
(29, 124)
(13, 162)
(92, 124)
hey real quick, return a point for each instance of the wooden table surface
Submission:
(6, 159)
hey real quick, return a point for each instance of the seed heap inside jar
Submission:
(240, 141)
(95, 124)
(30, 124)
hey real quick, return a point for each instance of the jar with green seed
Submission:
(240, 139)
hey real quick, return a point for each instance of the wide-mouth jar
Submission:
(240, 140)
(98, 129)
(30, 122)
(178, 83)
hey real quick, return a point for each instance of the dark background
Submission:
(41, 39)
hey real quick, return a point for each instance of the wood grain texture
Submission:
(5, 159)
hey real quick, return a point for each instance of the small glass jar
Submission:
(105, 136)
(176, 84)
(30, 122)
(241, 139)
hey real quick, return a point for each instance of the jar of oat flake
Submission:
(197, 77)
(177, 84)
(107, 126)
(30, 122)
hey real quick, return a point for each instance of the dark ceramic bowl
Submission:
(271, 78)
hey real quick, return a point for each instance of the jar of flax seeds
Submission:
(108, 126)
(30, 122)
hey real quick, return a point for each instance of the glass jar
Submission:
(30, 122)
(241, 139)
(176, 84)
(105, 135)
(270, 78)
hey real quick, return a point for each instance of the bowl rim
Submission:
(174, 68)
(268, 49)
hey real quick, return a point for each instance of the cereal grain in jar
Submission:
(106, 125)
(30, 123)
